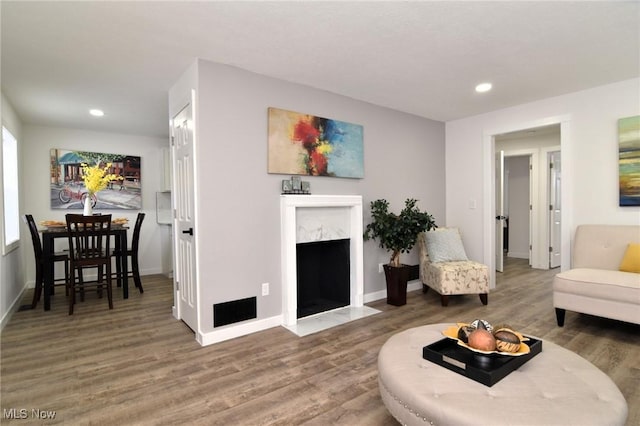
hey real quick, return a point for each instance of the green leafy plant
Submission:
(397, 233)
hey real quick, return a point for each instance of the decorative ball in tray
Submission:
(481, 337)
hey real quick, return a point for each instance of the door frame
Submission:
(500, 204)
(535, 243)
(489, 184)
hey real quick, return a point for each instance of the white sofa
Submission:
(594, 285)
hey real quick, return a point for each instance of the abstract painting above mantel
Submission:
(303, 144)
(67, 185)
(629, 160)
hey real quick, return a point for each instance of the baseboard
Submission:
(382, 294)
(412, 286)
(13, 308)
(248, 327)
(148, 271)
(518, 255)
(237, 330)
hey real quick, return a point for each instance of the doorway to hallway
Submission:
(531, 192)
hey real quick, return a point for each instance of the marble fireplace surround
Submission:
(308, 218)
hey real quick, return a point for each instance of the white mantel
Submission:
(305, 218)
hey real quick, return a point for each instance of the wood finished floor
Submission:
(138, 365)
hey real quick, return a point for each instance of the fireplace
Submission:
(322, 276)
(319, 219)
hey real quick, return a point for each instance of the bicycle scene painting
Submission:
(68, 190)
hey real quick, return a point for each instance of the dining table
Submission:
(50, 233)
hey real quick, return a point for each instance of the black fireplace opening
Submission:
(323, 276)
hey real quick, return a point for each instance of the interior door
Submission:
(183, 164)
(554, 209)
(500, 217)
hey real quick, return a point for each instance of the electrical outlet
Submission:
(380, 268)
(265, 289)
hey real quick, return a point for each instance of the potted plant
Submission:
(397, 234)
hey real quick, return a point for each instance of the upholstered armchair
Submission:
(445, 268)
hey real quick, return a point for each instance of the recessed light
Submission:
(483, 87)
(96, 112)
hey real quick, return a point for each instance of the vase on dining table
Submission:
(88, 208)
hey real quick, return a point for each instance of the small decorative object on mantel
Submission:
(296, 186)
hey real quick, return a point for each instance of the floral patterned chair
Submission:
(445, 268)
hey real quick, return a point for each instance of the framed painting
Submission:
(629, 160)
(303, 144)
(67, 184)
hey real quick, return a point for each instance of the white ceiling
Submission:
(61, 58)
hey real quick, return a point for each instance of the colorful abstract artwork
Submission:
(67, 187)
(303, 144)
(629, 160)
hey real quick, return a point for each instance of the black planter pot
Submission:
(397, 278)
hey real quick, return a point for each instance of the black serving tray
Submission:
(486, 369)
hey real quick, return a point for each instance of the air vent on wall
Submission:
(234, 311)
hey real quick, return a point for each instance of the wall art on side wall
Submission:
(67, 184)
(303, 144)
(629, 160)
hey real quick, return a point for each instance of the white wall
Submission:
(11, 272)
(589, 156)
(238, 214)
(38, 141)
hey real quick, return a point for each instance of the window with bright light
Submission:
(11, 232)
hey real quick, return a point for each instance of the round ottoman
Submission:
(556, 387)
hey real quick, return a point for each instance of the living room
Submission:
(245, 232)
(445, 164)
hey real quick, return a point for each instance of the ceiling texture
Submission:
(59, 59)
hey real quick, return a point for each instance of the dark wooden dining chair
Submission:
(89, 247)
(132, 252)
(39, 259)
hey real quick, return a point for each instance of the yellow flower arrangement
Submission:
(96, 178)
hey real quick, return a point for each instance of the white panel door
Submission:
(500, 217)
(183, 141)
(555, 209)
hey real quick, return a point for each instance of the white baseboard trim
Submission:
(150, 271)
(414, 285)
(518, 255)
(382, 294)
(14, 307)
(238, 330)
